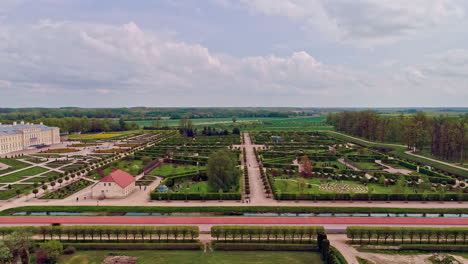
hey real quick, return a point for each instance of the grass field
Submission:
(13, 164)
(16, 176)
(253, 123)
(203, 121)
(167, 170)
(132, 167)
(7, 194)
(192, 257)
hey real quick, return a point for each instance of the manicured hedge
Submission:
(265, 234)
(194, 196)
(134, 246)
(80, 233)
(374, 196)
(435, 248)
(263, 246)
(231, 210)
(405, 235)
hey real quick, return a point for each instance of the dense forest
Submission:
(140, 113)
(444, 136)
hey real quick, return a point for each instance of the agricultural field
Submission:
(189, 257)
(104, 136)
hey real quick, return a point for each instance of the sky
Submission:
(304, 53)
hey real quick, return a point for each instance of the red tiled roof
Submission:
(122, 178)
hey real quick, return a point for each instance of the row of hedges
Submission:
(373, 196)
(102, 233)
(134, 246)
(403, 235)
(194, 196)
(265, 234)
(246, 173)
(232, 210)
(262, 246)
(435, 248)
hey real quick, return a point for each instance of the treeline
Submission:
(107, 233)
(139, 113)
(444, 136)
(86, 125)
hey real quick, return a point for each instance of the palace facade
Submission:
(22, 136)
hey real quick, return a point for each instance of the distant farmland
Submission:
(252, 123)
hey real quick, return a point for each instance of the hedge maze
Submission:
(184, 167)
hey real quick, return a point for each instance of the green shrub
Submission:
(136, 246)
(263, 246)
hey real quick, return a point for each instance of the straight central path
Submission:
(257, 190)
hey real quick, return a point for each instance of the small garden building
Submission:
(117, 184)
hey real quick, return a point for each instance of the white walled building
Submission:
(21, 136)
(117, 184)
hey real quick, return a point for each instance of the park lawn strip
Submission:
(167, 170)
(16, 176)
(7, 194)
(133, 167)
(230, 210)
(189, 257)
(14, 165)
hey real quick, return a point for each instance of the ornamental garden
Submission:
(318, 166)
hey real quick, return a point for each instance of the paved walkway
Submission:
(257, 190)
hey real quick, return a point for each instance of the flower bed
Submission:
(61, 150)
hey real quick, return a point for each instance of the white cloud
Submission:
(125, 65)
(364, 23)
(71, 56)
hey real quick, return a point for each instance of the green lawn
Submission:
(14, 165)
(323, 164)
(16, 176)
(192, 257)
(7, 194)
(37, 179)
(292, 185)
(367, 165)
(167, 170)
(131, 166)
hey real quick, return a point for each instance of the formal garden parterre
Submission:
(319, 166)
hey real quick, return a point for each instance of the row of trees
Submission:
(403, 235)
(445, 136)
(86, 125)
(267, 233)
(100, 233)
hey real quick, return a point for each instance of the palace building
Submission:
(23, 136)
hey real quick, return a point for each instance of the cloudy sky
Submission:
(312, 53)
